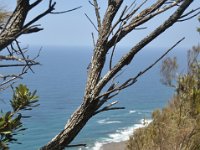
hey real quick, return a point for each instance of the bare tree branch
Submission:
(127, 21)
(20, 50)
(109, 107)
(14, 27)
(62, 12)
(187, 17)
(129, 56)
(48, 11)
(12, 79)
(99, 53)
(78, 145)
(35, 4)
(14, 24)
(138, 20)
(97, 14)
(91, 22)
(93, 40)
(132, 80)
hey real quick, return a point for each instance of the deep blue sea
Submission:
(60, 83)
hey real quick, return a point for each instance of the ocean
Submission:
(60, 83)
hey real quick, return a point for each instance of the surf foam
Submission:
(120, 134)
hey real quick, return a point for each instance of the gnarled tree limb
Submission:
(93, 99)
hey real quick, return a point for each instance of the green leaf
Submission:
(23, 98)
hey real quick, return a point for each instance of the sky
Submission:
(74, 29)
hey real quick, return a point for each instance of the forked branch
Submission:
(109, 35)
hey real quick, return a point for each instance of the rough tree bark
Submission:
(12, 25)
(109, 34)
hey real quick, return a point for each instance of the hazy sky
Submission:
(73, 29)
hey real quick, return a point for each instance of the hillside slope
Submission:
(177, 126)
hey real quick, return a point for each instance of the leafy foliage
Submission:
(23, 98)
(10, 122)
(176, 126)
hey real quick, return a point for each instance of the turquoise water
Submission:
(60, 82)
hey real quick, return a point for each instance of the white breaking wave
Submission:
(107, 121)
(98, 145)
(132, 111)
(121, 134)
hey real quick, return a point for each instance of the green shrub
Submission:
(177, 126)
(10, 122)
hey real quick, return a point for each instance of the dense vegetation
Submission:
(177, 126)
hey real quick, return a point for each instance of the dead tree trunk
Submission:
(109, 34)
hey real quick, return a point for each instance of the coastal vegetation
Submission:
(11, 121)
(176, 126)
